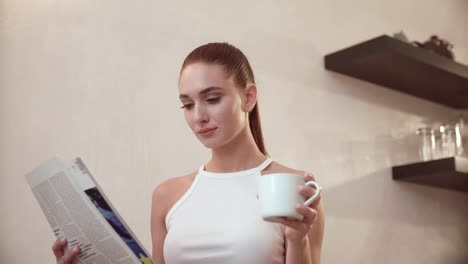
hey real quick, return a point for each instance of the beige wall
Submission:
(98, 79)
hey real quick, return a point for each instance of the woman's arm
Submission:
(304, 238)
(308, 250)
(164, 197)
(315, 235)
(158, 225)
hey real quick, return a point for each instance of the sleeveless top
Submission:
(218, 221)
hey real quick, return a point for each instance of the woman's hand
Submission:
(59, 251)
(296, 231)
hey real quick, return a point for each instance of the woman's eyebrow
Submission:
(202, 92)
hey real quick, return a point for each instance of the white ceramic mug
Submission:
(279, 194)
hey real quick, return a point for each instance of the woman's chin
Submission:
(211, 143)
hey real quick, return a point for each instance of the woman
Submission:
(211, 215)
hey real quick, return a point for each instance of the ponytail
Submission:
(256, 129)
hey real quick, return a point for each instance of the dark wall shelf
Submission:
(398, 65)
(449, 173)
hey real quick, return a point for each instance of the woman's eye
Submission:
(213, 99)
(187, 106)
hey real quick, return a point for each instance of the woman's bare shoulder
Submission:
(170, 190)
(276, 167)
(176, 182)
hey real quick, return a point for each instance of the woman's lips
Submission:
(207, 132)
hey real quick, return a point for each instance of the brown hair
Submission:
(235, 64)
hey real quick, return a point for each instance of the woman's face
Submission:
(212, 104)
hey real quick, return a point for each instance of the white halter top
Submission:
(218, 221)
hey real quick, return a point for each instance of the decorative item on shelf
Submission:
(437, 45)
(434, 43)
(401, 36)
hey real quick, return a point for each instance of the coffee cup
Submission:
(279, 194)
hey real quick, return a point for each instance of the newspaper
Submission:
(77, 210)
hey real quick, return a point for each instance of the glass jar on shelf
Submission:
(451, 139)
(459, 138)
(436, 144)
(426, 140)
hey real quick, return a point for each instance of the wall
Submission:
(98, 79)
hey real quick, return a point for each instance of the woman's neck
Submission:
(239, 154)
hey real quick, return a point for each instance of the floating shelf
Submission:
(449, 173)
(400, 66)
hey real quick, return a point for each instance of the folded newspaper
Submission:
(77, 210)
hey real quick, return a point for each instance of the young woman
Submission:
(212, 215)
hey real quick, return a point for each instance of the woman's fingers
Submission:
(308, 192)
(295, 224)
(309, 176)
(309, 214)
(59, 251)
(70, 255)
(58, 247)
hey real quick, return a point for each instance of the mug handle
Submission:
(316, 194)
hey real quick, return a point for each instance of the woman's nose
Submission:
(200, 114)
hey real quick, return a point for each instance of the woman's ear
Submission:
(250, 97)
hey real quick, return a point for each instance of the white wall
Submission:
(98, 79)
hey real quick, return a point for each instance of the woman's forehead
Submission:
(197, 77)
